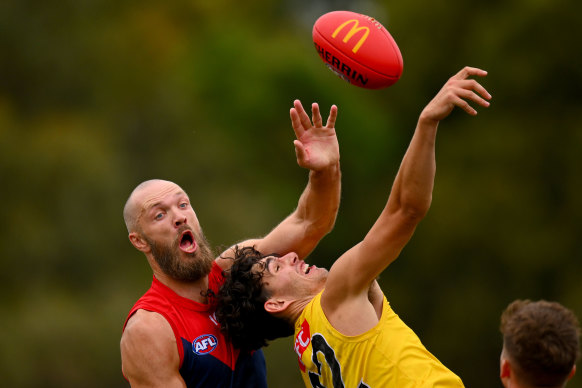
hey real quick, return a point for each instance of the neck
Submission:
(516, 382)
(190, 290)
(294, 310)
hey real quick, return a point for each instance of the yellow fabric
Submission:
(388, 355)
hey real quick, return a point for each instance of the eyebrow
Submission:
(270, 258)
(268, 263)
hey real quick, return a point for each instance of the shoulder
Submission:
(148, 346)
(147, 329)
(352, 313)
(144, 322)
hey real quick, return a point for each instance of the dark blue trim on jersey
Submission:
(202, 371)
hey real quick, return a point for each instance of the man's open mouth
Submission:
(187, 242)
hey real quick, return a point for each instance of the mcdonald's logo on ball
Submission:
(355, 27)
(358, 49)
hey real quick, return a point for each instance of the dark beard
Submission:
(187, 267)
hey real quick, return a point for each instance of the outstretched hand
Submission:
(458, 90)
(316, 146)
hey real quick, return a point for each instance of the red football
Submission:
(358, 49)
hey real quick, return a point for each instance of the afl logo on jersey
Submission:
(204, 344)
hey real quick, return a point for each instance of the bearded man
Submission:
(171, 337)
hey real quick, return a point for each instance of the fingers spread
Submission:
(303, 117)
(316, 115)
(296, 123)
(332, 117)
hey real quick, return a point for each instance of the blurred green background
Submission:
(96, 96)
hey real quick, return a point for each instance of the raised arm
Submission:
(411, 193)
(317, 149)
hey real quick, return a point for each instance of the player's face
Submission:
(170, 227)
(287, 276)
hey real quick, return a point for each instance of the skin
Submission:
(351, 299)
(162, 209)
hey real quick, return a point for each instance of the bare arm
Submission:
(149, 353)
(317, 149)
(410, 197)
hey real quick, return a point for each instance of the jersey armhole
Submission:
(174, 329)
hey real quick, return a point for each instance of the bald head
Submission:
(134, 205)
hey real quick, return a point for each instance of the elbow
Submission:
(324, 223)
(328, 226)
(321, 229)
(331, 220)
(316, 230)
(416, 210)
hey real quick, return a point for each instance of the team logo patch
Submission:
(204, 344)
(302, 342)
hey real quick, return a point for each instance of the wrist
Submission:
(426, 121)
(331, 170)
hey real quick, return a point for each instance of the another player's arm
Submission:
(149, 353)
(316, 149)
(410, 196)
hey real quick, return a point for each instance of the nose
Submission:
(179, 220)
(290, 258)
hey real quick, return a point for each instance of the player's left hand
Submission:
(316, 146)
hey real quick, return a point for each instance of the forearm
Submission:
(413, 186)
(312, 219)
(319, 203)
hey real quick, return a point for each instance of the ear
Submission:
(572, 372)
(275, 306)
(505, 369)
(138, 242)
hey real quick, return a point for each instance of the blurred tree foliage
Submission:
(96, 96)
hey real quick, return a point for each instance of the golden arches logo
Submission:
(354, 30)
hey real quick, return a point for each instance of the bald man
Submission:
(171, 337)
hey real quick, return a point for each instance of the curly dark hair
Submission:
(240, 304)
(543, 339)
